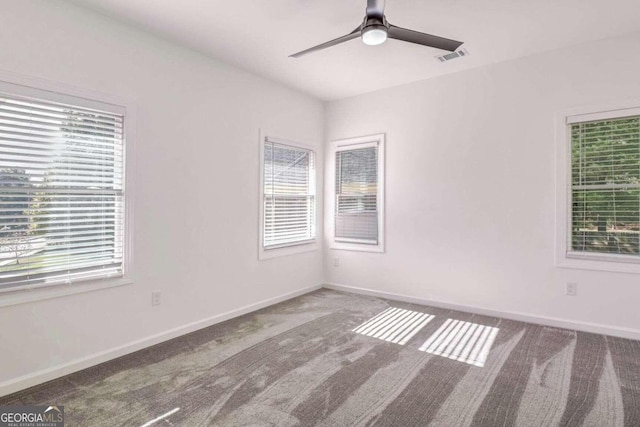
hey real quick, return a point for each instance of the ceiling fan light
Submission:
(374, 35)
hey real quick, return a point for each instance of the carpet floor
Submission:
(335, 359)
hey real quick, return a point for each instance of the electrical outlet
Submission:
(571, 289)
(155, 298)
(336, 262)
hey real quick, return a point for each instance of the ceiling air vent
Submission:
(453, 55)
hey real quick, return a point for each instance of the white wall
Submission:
(470, 185)
(196, 204)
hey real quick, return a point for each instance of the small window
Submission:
(358, 198)
(603, 181)
(62, 205)
(288, 195)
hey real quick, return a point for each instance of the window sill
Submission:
(264, 254)
(358, 247)
(26, 295)
(599, 263)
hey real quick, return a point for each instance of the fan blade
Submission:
(352, 35)
(375, 9)
(424, 39)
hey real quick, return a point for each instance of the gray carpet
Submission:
(300, 363)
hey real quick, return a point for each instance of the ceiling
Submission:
(259, 35)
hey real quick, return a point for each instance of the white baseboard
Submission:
(44, 375)
(522, 317)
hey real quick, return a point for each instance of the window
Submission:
(288, 196)
(358, 202)
(62, 205)
(603, 181)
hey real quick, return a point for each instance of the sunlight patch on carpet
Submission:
(395, 325)
(462, 341)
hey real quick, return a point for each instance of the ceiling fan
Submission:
(375, 29)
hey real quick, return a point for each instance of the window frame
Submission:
(350, 144)
(296, 247)
(564, 258)
(38, 88)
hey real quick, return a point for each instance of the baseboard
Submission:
(522, 317)
(42, 376)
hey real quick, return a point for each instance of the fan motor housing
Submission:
(375, 22)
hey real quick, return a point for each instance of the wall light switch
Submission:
(571, 289)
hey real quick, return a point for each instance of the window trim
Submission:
(342, 145)
(563, 257)
(60, 92)
(292, 248)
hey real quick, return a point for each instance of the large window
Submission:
(603, 210)
(61, 189)
(358, 198)
(288, 195)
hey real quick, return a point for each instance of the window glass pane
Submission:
(356, 213)
(289, 196)
(605, 171)
(61, 193)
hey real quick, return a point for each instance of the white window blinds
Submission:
(605, 187)
(289, 195)
(61, 193)
(356, 208)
